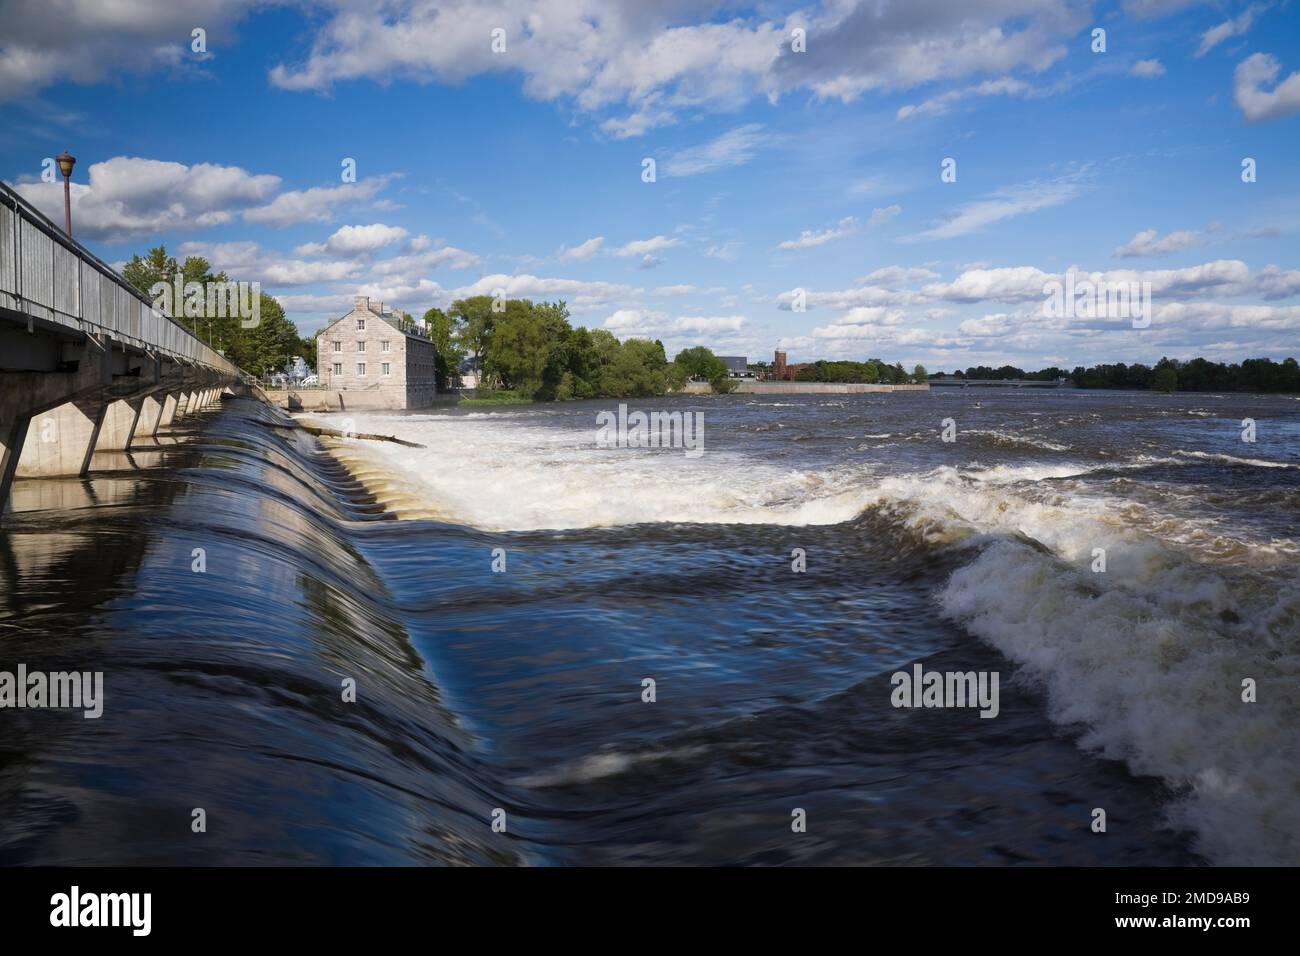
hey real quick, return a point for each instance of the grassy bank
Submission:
(501, 397)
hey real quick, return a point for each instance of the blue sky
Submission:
(776, 170)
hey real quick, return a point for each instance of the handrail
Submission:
(188, 346)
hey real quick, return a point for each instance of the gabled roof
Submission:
(398, 321)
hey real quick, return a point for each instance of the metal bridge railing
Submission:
(48, 275)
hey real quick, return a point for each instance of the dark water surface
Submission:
(522, 691)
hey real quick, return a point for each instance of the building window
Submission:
(361, 368)
(361, 325)
(338, 368)
(388, 369)
(385, 345)
(338, 346)
(361, 346)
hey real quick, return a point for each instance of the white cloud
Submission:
(414, 264)
(938, 105)
(129, 196)
(1004, 204)
(355, 240)
(726, 251)
(315, 204)
(1232, 27)
(883, 215)
(1253, 100)
(636, 67)
(1148, 69)
(646, 247)
(733, 148)
(808, 239)
(250, 262)
(1146, 243)
(581, 296)
(86, 41)
(898, 275)
(583, 250)
(649, 323)
(675, 290)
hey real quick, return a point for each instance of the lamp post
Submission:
(66, 161)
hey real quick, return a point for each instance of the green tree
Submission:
(476, 323)
(1165, 379)
(521, 350)
(143, 272)
(442, 329)
(919, 374)
(270, 344)
(700, 363)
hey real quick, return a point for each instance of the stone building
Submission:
(376, 357)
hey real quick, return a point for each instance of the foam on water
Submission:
(1146, 659)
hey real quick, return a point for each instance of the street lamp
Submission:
(66, 161)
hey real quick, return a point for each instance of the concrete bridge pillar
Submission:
(12, 435)
(150, 415)
(168, 413)
(61, 440)
(119, 425)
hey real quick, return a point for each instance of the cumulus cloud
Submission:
(898, 275)
(1258, 104)
(251, 262)
(355, 240)
(1147, 69)
(868, 46)
(316, 204)
(581, 296)
(646, 247)
(583, 250)
(129, 196)
(86, 41)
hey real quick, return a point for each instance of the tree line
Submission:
(529, 349)
(871, 372)
(267, 347)
(1196, 375)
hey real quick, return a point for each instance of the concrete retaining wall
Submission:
(342, 400)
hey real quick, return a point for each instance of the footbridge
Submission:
(86, 363)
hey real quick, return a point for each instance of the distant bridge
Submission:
(952, 380)
(86, 363)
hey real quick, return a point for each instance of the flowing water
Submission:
(228, 581)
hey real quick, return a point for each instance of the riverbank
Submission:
(745, 387)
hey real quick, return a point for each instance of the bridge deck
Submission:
(49, 278)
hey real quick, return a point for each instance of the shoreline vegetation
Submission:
(1259, 375)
